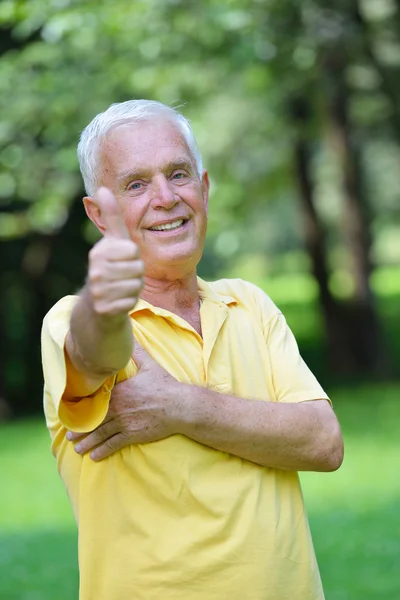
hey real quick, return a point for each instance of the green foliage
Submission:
(236, 69)
(236, 65)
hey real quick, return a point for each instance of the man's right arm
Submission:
(100, 340)
(97, 347)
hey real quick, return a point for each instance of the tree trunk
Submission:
(340, 353)
(50, 266)
(361, 318)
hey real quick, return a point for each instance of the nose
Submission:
(163, 194)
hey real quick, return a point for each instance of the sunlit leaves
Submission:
(232, 66)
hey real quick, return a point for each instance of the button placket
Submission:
(213, 316)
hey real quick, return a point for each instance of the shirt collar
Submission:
(205, 292)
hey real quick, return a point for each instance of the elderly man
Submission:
(180, 411)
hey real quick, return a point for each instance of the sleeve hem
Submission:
(305, 397)
(87, 413)
(76, 413)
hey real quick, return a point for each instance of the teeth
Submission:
(166, 226)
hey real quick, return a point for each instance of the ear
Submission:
(205, 184)
(93, 212)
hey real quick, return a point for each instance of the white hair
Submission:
(127, 112)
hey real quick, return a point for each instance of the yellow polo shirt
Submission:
(175, 519)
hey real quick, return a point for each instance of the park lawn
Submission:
(353, 512)
(38, 540)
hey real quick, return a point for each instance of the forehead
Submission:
(143, 145)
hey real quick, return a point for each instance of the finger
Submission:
(115, 250)
(96, 437)
(73, 436)
(117, 270)
(110, 446)
(117, 307)
(111, 214)
(116, 290)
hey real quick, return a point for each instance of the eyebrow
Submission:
(129, 175)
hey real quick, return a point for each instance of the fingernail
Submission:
(78, 448)
(69, 436)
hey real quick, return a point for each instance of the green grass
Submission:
(38, 539)
(38, 565)
(353, 512)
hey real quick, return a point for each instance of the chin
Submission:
(175, 264)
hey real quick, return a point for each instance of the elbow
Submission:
(331, 451)
(335, 459)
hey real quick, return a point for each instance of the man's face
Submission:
(149, 168)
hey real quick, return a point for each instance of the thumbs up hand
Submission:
(115, 274)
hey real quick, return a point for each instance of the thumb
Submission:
(141, 357)
(111, 214)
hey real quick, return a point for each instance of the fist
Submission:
(115, 273)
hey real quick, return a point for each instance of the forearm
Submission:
(98, 345)
(293, 436)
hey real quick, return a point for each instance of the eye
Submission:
(179, 175)
(135, 186)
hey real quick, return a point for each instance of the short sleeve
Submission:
(79, 414)
(292, 379)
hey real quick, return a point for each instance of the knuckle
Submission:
(136, 285)
(95, 291)
(134, 249)
(96, 252)
(92, 253)
(101, 307)
(95, 275)
(110, 444)
(97, 294)
(139, 267)
(98, 435)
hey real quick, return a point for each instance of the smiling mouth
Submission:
(169, 226)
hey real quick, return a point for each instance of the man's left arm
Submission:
(153, 405)
(302, 436)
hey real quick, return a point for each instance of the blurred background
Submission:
(296, 109)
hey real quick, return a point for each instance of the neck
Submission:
(176, 296)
